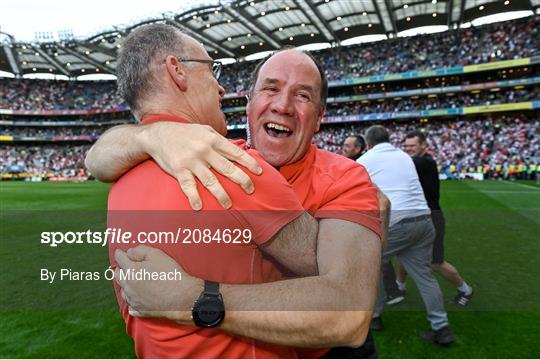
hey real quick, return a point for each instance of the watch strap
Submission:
(211, 288)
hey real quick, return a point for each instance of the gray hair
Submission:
(377, 134)
(139, 53)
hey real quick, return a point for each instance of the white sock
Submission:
(401, 285)
(465, 288)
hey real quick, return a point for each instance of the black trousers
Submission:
(389, 278)
(366, 351)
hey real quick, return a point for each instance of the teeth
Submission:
(278, 127)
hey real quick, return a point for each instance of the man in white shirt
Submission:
(411, 233)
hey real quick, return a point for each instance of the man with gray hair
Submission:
(334, 307)
(410, 233)
(165, 75)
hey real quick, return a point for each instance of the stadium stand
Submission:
(501, 41)
(474, 91)
(23, 94)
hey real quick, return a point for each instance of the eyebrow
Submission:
(276, 81)
(270, 81)
(308, 88)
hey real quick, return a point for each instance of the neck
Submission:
(162, 106)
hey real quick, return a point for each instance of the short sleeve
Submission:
(352, 197)
(272, 206)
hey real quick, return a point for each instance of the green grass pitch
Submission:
(492, 238)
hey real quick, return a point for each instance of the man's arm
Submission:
(116, 151)
(182, 150)
(384, 206)
(295, 246)
(331, 309)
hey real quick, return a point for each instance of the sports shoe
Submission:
(462, 299)
(395, 298)
(376, 324)
(443, 336)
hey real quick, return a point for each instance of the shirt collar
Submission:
(163, 117)
(382, 146)
(291, 171)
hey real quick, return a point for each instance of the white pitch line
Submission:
(522, 185)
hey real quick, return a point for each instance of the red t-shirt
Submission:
(332, 186)
(147, 199)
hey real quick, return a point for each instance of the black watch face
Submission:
(209, 312)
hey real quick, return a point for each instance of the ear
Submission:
(176, 71)
(319, 118)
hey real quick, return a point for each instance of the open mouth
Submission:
(276, 130)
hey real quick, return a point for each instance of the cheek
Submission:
(309, 127)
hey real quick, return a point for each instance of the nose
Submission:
(282, 104)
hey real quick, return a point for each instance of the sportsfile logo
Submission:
(120, 236)
(110, 235)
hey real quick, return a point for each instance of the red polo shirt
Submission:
(332, 186)
(147, 199)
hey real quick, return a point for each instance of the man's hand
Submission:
(185, 151)
(171, 299)
(384, 208)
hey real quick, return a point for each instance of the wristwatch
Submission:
(209, 311)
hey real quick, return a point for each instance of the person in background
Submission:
(410, 233)
(354, 146)
(426, 167)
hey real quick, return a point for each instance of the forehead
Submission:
(349, 140)
(292, 67)
(195, 48)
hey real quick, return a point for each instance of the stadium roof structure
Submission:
(237, 28)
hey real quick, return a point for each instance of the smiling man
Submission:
(282, 125)
(166, 76)
(287, 101)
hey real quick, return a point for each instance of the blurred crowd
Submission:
(52, 131)
(435, 101)
(417, 103)
(49, 161)
(499, 41)
(490, 142)
(494, 145)
(497, 145)
(31, 94)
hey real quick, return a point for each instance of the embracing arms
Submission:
(331, 309)
(175, 147)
